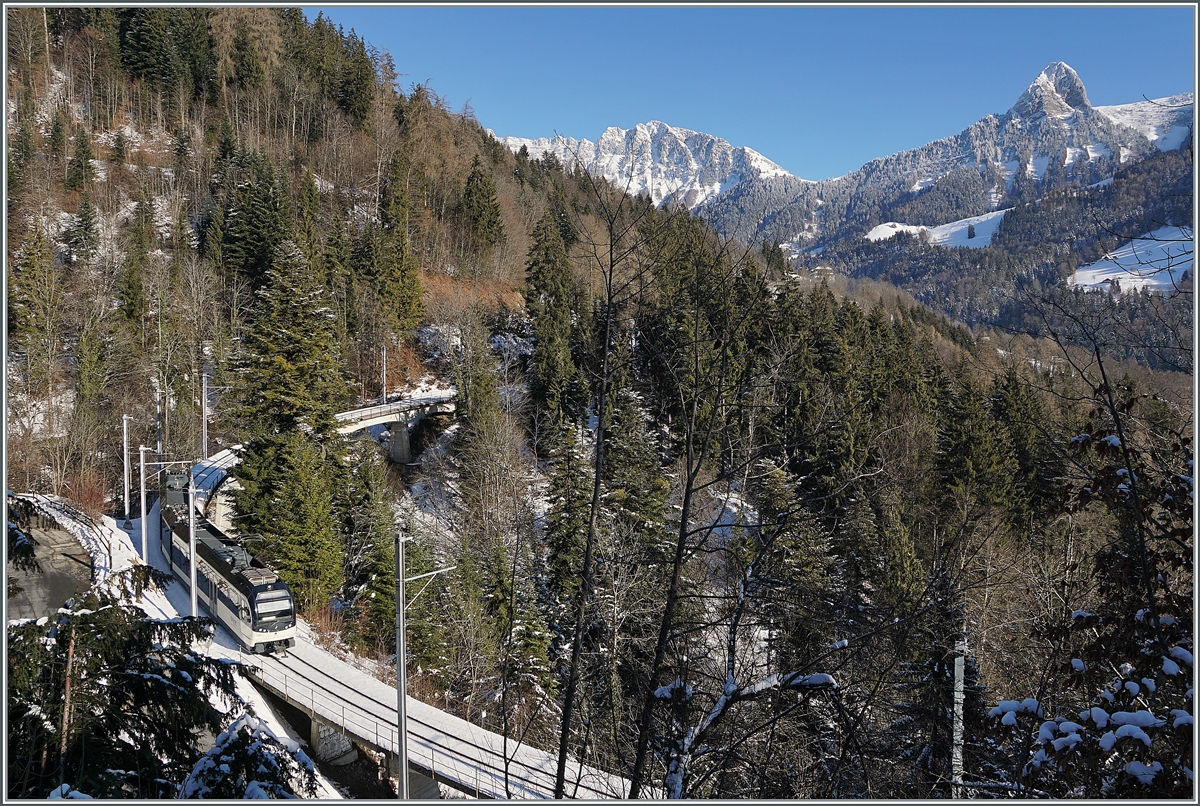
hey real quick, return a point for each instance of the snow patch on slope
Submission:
(949, 235)
(1159, 261)
(1166, 122)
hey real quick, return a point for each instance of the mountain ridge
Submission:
(1051, 135)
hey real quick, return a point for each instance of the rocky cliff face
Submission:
(1050, 136)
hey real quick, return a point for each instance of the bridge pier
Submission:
(329, 744)
(400, 452)
(420, 785)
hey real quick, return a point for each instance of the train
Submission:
(241, 592)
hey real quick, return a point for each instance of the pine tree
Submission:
(549, 295)
(480, 209)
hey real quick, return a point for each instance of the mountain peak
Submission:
(1056, 91)
(666, 162)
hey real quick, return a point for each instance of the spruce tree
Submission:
(566, 521)
(480, 209)
(356, 87)
(289, 367)
(82, 236)
(116, 154)
(368, 526)
(289, 386)
(36, 306)
(57, 141)
(396, 278)
(308, 236)
(259, 220)
(300, 539)
(549, 294)
(249, 761)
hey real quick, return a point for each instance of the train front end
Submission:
(273, 617)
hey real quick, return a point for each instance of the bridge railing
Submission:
(302, 694)
(408, 404)
(462, 755)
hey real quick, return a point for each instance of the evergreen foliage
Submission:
(480, 210)
(80, 169)
(109, 700)
(549, 298)
(719, 484)
(288, 367)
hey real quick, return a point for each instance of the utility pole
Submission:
(384, 373)
(158, 411)
(192, 537)
(125, 418)
(401, 678)
(956, 746)
(402, 664)
(204, 416)
(142, 477)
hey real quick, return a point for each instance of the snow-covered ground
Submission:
(952, 234)
(1157, 261)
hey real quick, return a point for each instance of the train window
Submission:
(273, 603)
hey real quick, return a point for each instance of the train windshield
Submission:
(273, 604)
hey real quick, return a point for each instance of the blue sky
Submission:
(821, 91)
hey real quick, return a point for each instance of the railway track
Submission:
(449, 749)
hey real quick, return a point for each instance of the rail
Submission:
(354, 415)
(454, 751)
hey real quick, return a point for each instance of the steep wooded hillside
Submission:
(719, 526)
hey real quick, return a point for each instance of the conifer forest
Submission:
(721, 525)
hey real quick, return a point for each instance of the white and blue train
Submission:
(241, 592)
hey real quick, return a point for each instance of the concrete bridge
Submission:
(345, 703)
(399, 416)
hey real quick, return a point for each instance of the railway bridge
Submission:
(441, 747)
(399, 416)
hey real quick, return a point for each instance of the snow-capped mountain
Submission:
(1050, 136)
(665, 162)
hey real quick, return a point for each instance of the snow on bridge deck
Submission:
(451, 750)
(413, 406)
